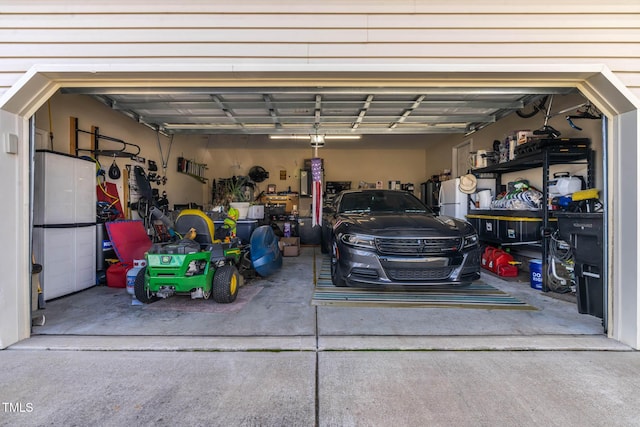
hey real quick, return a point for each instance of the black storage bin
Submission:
(584, 233)
(518, 230)
(589, 290)
(508, 226)
(488, 229)
(309, 235)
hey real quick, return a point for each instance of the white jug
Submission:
(484, 199)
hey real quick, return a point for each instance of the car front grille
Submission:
(418, 246)
(365, 272)
(419, 274)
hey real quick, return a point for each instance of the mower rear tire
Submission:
(141, 293)
(226, 282)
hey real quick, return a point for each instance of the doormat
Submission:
(477, 295)
(185, 303)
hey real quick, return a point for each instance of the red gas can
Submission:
(487, 256)
(500, 258)
(508, 270)
(117, 275)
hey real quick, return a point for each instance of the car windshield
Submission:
(380, 201)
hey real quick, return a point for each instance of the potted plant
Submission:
(238, 194)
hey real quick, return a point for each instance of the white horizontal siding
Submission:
(439, 50)
(321, 20)
(181, 35)
(470, 50)
(539, 19)
(623, 65)
(317, 35)
(332, 32)
(314, 6)
(182, 21)
(630, 79)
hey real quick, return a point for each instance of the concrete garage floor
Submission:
(281, 307)
(280, 361)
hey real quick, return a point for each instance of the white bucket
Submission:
(138, 264)
(243, 208)
(484, 199)
(480, 159)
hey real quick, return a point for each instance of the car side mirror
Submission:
(328, 210)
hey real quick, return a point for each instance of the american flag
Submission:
(316, 175)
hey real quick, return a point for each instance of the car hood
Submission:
(385, 224)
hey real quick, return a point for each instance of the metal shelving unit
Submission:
(545, 153)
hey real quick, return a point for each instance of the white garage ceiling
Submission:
(289, 111)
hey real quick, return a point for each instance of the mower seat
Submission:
(195, 218)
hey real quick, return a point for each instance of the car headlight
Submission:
(470, 241)
(359, 240)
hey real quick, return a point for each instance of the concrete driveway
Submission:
(280, 361)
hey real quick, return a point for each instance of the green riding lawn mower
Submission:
(199, 260)
(198, 264)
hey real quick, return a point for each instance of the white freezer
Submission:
(455, 203)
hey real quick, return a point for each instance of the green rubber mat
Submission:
(477, 295)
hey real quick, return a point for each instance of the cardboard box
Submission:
(523, 136)
(290, 246)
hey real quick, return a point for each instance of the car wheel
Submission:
(324, 244)
(140, 290)
(226, 281)
(336, 276)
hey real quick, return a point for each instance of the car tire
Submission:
(141, 292)
(226, 282)
(324, 245)
(336, 275)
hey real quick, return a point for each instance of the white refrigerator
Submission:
(455, 203)
(64, 222)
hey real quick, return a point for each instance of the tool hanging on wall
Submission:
(97, 137)
(108, 206)
(152, 176)
(114, 170)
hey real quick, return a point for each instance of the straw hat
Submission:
(468, 183)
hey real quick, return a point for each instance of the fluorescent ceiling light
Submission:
(198, 126)
(317, 139)
(300, 137)
(343, 137)
(308, 137)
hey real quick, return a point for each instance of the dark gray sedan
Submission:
(390, 238)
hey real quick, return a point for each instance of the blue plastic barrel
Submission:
(265, 253)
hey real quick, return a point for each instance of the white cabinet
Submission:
(64, 215)
(67, 256)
